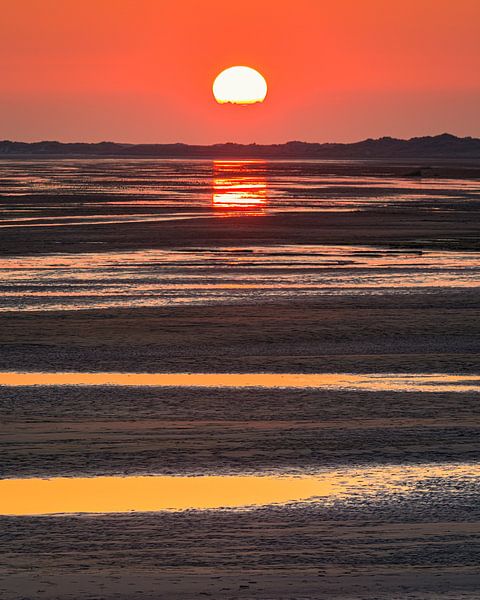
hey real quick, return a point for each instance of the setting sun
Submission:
(239, 85)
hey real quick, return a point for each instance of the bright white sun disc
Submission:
(239, 85)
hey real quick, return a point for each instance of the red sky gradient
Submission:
(142, 70)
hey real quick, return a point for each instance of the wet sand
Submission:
(299, 202)
(399, 548)
(401, 228)
(433, 331)
(423, 545)
(416, 317)
(129, 435)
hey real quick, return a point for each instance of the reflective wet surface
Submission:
(225, 275)
(237, 190)
(176, 493)
(421, 382)
(51, 192)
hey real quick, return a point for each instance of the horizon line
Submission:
(444, 134)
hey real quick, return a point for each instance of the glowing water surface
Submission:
(202, 276)
(178, 493)
(417, 382)
(238, 190)
(171, 183)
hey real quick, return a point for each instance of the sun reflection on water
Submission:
(239, 185)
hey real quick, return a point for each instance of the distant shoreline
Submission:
(441, 147)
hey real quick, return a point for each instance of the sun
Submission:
(239, 85)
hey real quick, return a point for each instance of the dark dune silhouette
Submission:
(444, 146)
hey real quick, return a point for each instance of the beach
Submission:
(282, 319)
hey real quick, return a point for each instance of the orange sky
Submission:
(141, 70)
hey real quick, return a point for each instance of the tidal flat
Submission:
(276, 324)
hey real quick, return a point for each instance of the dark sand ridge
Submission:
(52, 431)
(421, 331)
(400, 228)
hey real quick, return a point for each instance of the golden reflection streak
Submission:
(177, 493)
(420, 382)
(124, 494)
(239, 184)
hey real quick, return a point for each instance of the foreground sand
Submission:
(399, 549)
(417, 547)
